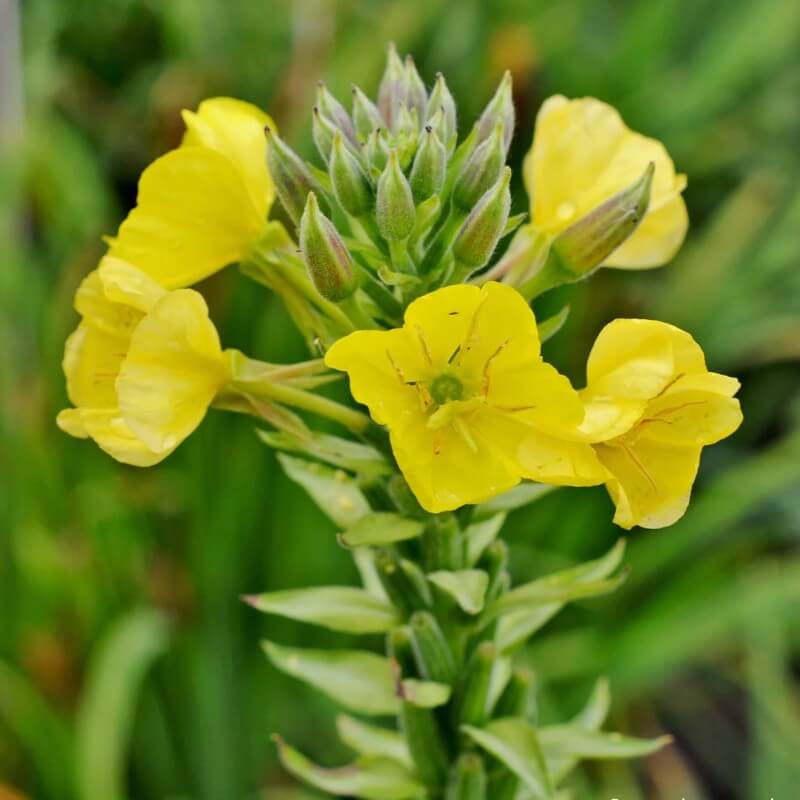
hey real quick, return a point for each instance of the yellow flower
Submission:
(470, 405)
(583, 154)
(142, 366)
(202, 206)
(652, 405)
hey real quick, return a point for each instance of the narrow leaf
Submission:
(370, 740)
(381, 528)
(333, 490)
(552, 325)
(481, 534)
(340, 608)
(571, 741)
(373, 779)
(467, 587)
(359, 681)
(424, 694)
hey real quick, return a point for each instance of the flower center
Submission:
(445, 389)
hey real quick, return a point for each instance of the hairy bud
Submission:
(392, 89)
(349, 182)
(441, 100)
(322, 131)
(406, 134)
(331, 108)
(377, 150)
(430, 164)
(481, 171)
(394, 205)
(328, 261)
(366, 116)
(416, 95)
(499, 108)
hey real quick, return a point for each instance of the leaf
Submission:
(424, 694)
(359, 681)
(106, 713)
(381, 528)
(340, 608)
(481, 534)
(370, 740)
(373, 779)
(467, 587)
(572, 741)
(520, 495)
(514, 742)
(365, 564)
(513, 223)
(552, 325)
(334, 491)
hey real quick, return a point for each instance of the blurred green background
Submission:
(129, 669)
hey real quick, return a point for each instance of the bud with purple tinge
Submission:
(394, 206)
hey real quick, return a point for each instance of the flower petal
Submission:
(690, 418)
(98, 311)
(113, 436)
(91, 363)
(173, 371)
(124, 284)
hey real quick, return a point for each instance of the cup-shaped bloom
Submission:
(470, 405)
(203, 205)
(583, 154)
(142, 367)
(652, 405)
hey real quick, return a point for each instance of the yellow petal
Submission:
(98, 311)
(70, 421)
(92, 360)
(114, 437)
(382, 365)
(126, 285)
(235, 129)
(173, 371)
(582, 154)
(194, 215)
(651, 482)
(690, 418)
(608, 417)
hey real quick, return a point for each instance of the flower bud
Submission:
(587, 243)
(377, 150)
(395, 203)
(322, 131)
(349, 182)
(416, 95)
(430, 166)
(331, 108)
(328, 261)
(441, 100)
(435, 659)
(292, 179)
(467, 779)
(483, 228)
(472, 705)
(500, 107)
(392, 89)
(482, 170)
(366, 116)
(406, 134)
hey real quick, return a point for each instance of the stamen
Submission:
(515, 409)
(454, 353)
(425, 348)
(437, 443)
(488, 364)
(469, 336)
(395, 367)
(671, 383)
(638, 464)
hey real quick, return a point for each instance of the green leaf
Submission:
(514, 742)
(481, 534)
(466, 586)
(424, 694)
(359, 681)
(519, 496)
(333, 490)
(381, 528)
(106, 713)
(572, 741)
(364, 559)
(552, 325)
(340, 608)
(516, 627)
(370, 740)
(513, 223)
(373, 779)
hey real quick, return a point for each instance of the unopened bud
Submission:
(587, 243)
(328, 261)
(331, 108)
(394, 206)
(392, 89)
(323, 132)
(483, 228)
(430, 165)
(482, 170)
(500, 107)
(349, 182)
(292, 179)
(366, 116)
(377, 150)
(467, 779)
(416, 95)
(438, 125)
(406, 134)
(442, 100)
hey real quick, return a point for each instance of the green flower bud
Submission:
(500, 107)
(482, 170)
(328, 261)
(442, 100)
(406, 134)
(438, 125)
(472, 705)
(350, 184)
(322, 131)
(366, 116)
(377, 150)
(392, 89)
(394, 205)
(331, 108)
(483, 228)
(430, 166)
(467, 779)
(416, 95)
(517, 699)
(435, 659)
(291, 177)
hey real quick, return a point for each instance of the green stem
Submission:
(401, 260)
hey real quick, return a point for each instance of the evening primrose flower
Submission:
(470, 405)
(202, 206)
(582, 155)
(142, 367)
(651, 406)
